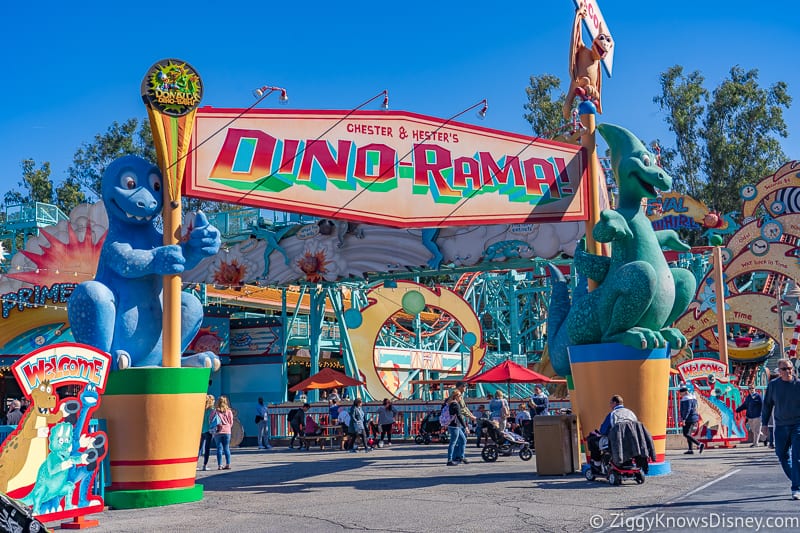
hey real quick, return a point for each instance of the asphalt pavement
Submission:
(409, 488)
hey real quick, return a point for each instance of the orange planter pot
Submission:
(641, 377)
(154, 417)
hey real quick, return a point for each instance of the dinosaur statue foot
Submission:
(202, 360)
(639, 338)
(674, 337)
(121, 360)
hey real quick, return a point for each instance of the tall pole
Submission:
(780, 317)
(171, 90)
(587, 112)
(719, 290)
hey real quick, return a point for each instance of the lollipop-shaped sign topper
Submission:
(173, 87)
(172, 90)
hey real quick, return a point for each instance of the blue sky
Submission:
(72, 68)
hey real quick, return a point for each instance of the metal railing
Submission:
(406, 426)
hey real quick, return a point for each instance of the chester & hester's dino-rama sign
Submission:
(393, 168)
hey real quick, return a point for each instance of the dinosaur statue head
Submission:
(43, 399)
(132, 190)
(61, 440)
(638, 175)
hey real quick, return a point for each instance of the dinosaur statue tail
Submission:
(557, 338)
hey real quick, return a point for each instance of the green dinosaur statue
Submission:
(637, 295)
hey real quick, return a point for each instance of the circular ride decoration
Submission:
(383, 303)
(172, 87)
(413, 302)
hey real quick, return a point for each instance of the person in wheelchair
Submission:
(621, 440)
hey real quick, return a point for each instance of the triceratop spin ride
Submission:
(638, 295)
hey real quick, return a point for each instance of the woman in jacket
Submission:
(357, 424)
(457, 429)
(689, 417)
(386, 414)
(205, 433)
(223, 416)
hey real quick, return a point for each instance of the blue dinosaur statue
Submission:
(120, 311)
(638, 295)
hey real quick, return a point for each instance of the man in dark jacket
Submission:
(752, 406)
(689, 417)
(783, 395)
(14, 413)
(298, 423)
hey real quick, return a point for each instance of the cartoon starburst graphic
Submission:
(314, 265)
(230, 273)
(72, 262)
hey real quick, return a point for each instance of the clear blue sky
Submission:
(72, 68)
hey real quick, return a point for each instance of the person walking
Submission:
(499, 410)
(689, 417)
(222, 416)
(752, 406)
(205, 433)
(357, 426)
(457, 429)
(262, 421)
(386, 417)
(783, 397)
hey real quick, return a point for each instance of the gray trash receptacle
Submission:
(557, 447)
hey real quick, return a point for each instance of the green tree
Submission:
(726, 138)
(741, 130)
(544, 111)
(682, 98)
(36, 185)
(69, 195)
(92, 158)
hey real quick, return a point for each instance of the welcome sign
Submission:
(50, 462)
(392, 168)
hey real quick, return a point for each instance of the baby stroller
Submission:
(504, 443)
(624, 454)
(430, 429)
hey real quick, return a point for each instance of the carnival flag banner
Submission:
(51, 461)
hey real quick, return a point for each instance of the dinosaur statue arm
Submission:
(594, 267)
(611, 227)
(669, 239)
(130, 262)
(204, 241)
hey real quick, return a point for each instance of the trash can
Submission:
(557, 450)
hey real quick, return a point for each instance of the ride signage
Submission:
(392, 168)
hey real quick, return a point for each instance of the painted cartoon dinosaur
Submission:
(52, 480)
(33, 425)
(80, 476)
(638, 295)
(503, 250)
(120, 311)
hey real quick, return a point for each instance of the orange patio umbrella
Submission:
(327, 378)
